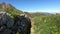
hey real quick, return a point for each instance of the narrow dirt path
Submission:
(32, 29)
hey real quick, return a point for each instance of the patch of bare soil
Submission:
(32, 28)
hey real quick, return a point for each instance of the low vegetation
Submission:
(47, 24)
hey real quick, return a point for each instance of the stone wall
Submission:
(8, 25)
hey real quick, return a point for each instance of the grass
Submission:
(47, 24)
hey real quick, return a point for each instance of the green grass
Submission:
(47, 24)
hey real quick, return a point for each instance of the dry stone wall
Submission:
(20, 24)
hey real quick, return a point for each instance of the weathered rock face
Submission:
(20, 24)
(6, 19)
(24, 24)
(6, 22)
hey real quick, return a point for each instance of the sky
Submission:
(51, 6)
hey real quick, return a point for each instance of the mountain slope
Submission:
(9, 9)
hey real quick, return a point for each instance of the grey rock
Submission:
(21, 24)
(24, 24)
(6, 19)
(2, 28)
(7, 31)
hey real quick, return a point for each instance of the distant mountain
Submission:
(37, 14)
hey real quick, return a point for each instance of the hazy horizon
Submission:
(50, 6)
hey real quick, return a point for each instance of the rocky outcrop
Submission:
(24, 24)
(6, 22)
(9, 25)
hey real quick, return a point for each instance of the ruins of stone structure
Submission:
(8, 25)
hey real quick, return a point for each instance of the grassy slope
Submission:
(47, 24)
(10, 9)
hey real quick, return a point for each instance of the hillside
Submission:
(9, 9)
(34, 14)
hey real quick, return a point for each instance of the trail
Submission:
(32, 28)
